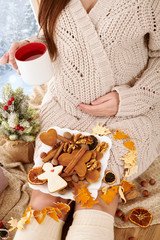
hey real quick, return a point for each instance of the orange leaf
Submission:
(37, 215)
(76, 187)
(63, 207)
(52, 212)
(130, 145)
(109, 194)
(126, 185)
(83, 195)
(30, 214)
(90, 203)
(120, 135)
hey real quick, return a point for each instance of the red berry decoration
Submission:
(9, 103)
(22, 129)
(12, 98)
(5, 108)
(17, 127)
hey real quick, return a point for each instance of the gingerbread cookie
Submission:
(49, 138)
(51, 174)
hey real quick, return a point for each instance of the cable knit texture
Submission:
(114, 47)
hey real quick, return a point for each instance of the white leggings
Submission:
(87, 225)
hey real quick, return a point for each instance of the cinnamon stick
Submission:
(75, 160)
(59, 151)
(53, 153)
(50, 155)
(63, 139)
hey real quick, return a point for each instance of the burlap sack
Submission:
(3, 181)
(17, 151)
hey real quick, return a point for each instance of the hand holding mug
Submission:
(9, 57)
(32, 61)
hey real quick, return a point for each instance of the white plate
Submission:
(93, 188)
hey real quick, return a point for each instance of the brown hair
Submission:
(49, 10)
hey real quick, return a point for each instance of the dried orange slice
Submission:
(109, 177)
(39, 216)
(33, 176)
(141, 217)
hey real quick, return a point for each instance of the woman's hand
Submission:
(106, 105)
(9, 57)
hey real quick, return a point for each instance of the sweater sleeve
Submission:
(145, 93)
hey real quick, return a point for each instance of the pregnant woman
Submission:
(106, 60)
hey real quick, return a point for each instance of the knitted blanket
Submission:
(14, 199)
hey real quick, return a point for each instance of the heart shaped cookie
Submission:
(49, 138)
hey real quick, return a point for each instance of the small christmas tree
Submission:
(17, 119)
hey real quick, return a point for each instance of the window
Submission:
(17, 22)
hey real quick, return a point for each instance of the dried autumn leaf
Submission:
(26, 214)
(39, 215)
(130, 145)
(21, 223)
(120, 135)
(90, 202)
(121, 193)
(13, 222)
(53, 213)
(109, 194)
(130, 159)
(126, 185)
(131, 171)
(83, 195)
(63, 207)
(76, 187)
(101, 130)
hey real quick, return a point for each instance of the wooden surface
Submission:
(150, 233)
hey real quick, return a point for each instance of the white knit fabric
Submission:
(91, 225)
(114, 47)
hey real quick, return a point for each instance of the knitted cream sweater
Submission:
(114, 47)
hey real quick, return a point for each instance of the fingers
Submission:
(4, 59)
(14, 47)
(9, 57)
(102, 108)
(102, 99)
(18, 72)
(96, 110)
